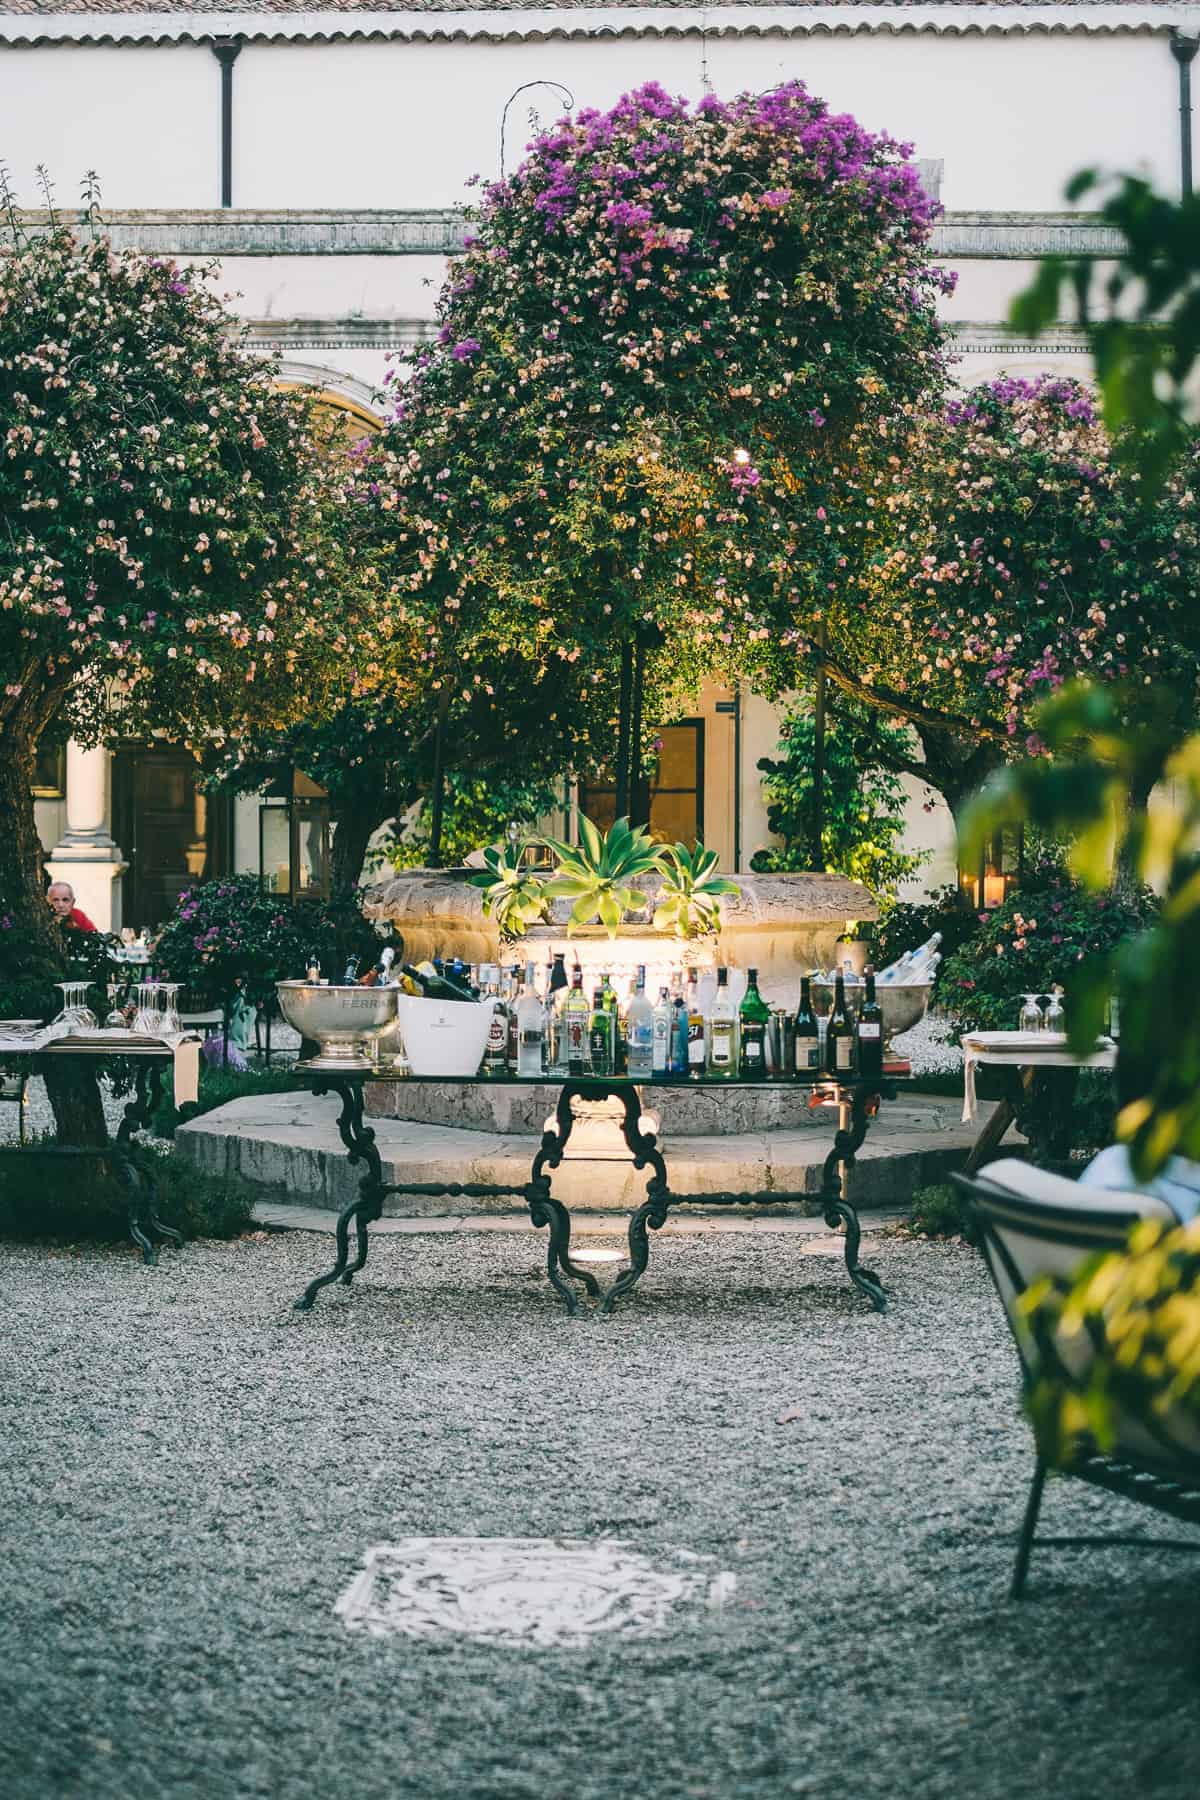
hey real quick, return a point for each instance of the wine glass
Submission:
(1031, 1014)
(170, 1024)
(148, 1019)
(76, 1015)
(1056, 1018)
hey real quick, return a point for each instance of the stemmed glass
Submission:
(76, 1015)
(170, 1024)
(148, 1019)
(1031, 1014)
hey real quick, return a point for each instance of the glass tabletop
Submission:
(715, 1084)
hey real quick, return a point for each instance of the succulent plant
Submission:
(597, 873)
(513, 895)
(689, 900)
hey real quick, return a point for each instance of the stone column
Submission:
(87, 856)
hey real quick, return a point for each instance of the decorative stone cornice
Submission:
(971, 338)
(439, 231)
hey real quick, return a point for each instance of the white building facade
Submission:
(321, 156)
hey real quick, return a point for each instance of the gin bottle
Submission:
(723, 1032)
(639, 1030)
(663, 1021)
(753, 1015)
(576, 1023)
(531, 1028)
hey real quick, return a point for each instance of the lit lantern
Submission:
(295, 838)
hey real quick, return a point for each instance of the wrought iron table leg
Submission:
(359, 1140)
(852, 1129)
(651, 1215)
(341, 1238)
(545, 1211)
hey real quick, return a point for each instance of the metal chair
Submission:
(1029, 1224)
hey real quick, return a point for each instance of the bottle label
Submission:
(696, 1045)
(752, 1043)
(870, 1029)
(808, 1055)
(722, 1045)
(843, 1054)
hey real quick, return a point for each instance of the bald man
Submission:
(61, 896)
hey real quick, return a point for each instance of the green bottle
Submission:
(754, 1014)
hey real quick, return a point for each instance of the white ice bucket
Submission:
(443, 1037)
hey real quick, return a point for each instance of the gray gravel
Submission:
(192, 1472)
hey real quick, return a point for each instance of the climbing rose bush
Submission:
(673, 332)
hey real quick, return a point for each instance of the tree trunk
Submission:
(70, 1085)
(957, 768)
(356, 825)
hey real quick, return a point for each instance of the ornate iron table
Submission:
(856, 1103)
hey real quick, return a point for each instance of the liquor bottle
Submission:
(576, 1022)
(839, 1033)
(602, 1035)
(350, 978)
(433, 985)
(870, 1033)
(723, 1031)
(558, 975)
(313, 972)
(753, 1017)
(696, 1026)
(678, 1060)
(495, 1054)
(531, 1028)
(639, 1030)
(512, 994)
(808, 1033)
(662, 1034)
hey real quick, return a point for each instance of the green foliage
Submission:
(1122, 1338)
(1145, 342)
(228, 933)
(513, 894)
(1039, 938)
(46, 1196)
(478, 810)
(907, 924)
(1095, 789)
(937, 1211)
(689, 899)
(598, 872)
(218, 1086)
(864, 804)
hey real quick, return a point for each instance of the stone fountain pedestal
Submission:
(781, 925)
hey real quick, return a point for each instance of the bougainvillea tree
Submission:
(170, 556)
(1012, 550)
(671, 335)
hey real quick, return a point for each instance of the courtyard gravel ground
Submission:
(190, 1473)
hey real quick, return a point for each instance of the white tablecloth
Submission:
(1024, 1050)
(20, 1039)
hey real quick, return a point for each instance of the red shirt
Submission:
(78, 921)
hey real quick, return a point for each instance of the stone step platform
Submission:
(287, 1146)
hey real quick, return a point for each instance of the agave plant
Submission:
(597, 872)
(513, 895)
(688, 902)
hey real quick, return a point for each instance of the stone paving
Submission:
(194, 1477)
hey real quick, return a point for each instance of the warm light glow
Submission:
(994, 889)
(741, 456)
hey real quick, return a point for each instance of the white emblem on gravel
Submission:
(533, 1591)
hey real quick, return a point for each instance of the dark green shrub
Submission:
(937, 1211)
(1031, 943)
(77, 1198)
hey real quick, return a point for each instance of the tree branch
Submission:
(902, 706)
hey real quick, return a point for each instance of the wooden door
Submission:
(171, 833)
